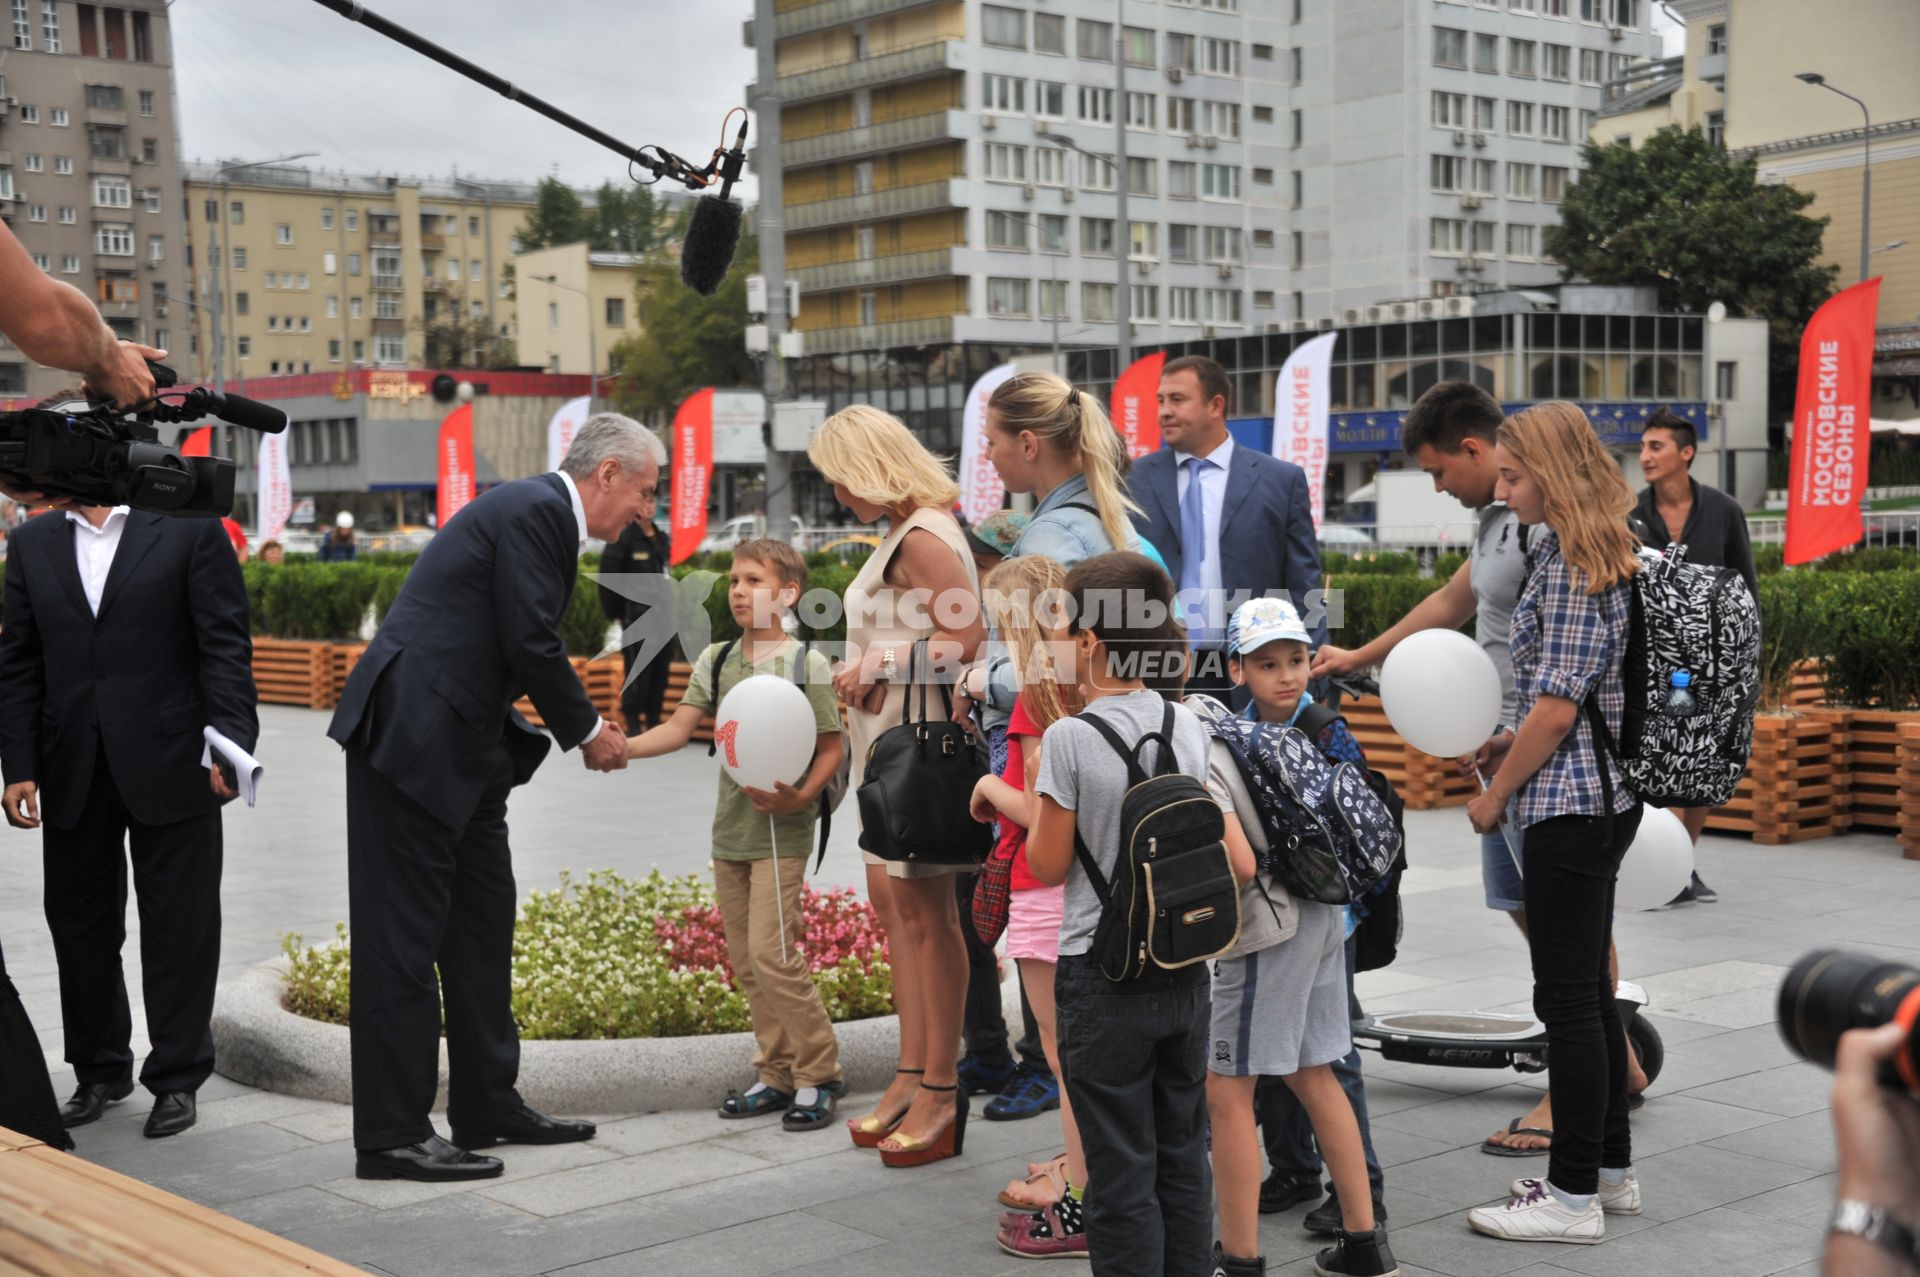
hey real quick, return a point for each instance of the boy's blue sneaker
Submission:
(1026, 1094)
(980, 1078)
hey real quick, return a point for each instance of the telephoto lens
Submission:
(1830, 991)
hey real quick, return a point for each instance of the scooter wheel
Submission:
(1647, 1045)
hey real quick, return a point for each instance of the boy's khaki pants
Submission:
(795, 1038)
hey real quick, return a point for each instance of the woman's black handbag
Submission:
(919, 784)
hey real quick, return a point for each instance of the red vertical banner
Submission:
(1135, 407)
(1828, 473)
(198, 444)
(456, 463)
(692, 473)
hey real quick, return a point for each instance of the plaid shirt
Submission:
(1566, 643)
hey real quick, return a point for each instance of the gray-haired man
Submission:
(433, 749)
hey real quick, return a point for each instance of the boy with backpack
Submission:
(1280, 1001)
(761, 840)
(1122, 816)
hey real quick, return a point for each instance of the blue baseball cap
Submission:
(1258, 622)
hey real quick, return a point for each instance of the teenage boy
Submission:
(759, 864)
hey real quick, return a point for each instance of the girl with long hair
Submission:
(1565, 794)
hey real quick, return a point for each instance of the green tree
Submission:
(456, 341)
(628, 219)
(1681, 213)
(558, 217)
(686, 341)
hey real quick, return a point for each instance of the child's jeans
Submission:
(795, 1038)
(1133, 1057)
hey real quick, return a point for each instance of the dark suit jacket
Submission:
(476, 627)
(168, 656)
(1267, 541)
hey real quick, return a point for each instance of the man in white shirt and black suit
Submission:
(126, 636)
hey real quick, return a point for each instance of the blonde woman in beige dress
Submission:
(919, 584)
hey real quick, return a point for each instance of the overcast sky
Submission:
(263, 78)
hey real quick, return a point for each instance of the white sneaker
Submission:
(1617, 1199)
(1539, 1216)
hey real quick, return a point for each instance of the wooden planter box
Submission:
(1796, 785)
(678, 675)
(1909, 837)
(345, 657)
(602, 685)
(1874, 763)
(1423, 782)
(1809, 687)
(294, 672)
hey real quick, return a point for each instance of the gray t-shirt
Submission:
(1499, 570)
(1080, 771)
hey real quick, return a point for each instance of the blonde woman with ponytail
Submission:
(1557, 784)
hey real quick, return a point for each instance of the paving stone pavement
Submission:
(1734, 1146)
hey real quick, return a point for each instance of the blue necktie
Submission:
(1193, 544)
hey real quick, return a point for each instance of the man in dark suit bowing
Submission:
(433, 748)
(1231, 523)
(125, 637)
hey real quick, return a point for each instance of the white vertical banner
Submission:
(1300, 424)
(273, 487)
(560, 431)
(981, 492)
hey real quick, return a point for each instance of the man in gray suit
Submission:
(1231, 523)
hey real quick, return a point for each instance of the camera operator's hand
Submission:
(1876, 1130)
(23, 805)
(123, 375)
(36, 499)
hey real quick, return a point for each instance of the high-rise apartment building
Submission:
(325, 272)
(950, 169)
(89, 174)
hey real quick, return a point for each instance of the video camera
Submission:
(95, 454)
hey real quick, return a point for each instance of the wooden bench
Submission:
(62, 1216)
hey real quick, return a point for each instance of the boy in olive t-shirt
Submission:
(760, 843)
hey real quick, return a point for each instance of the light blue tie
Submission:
(1193, 543)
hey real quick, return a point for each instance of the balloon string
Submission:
(1506, 829)
(779, 904)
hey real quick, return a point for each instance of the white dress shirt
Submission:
(1213, 497)
(94, 548)
(580, 517)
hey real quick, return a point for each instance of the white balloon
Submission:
(764, 731)
(1441, 692)
(1657, 865)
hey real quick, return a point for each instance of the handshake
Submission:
(607, 751)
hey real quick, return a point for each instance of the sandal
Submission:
(868, 1131)
(1514, 1128)
(811, 1117)
(755, 1101)
(1044, 1188)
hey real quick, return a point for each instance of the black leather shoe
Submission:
(1325, 1219)
(173, 1112)
(90, 1100)
(432, 1161)
(1283, 1189)
(523, 1126)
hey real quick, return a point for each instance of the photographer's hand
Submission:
(1876, 1131)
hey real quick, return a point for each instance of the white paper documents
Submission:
(247, 770)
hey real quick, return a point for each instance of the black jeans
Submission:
(1285, 1127)
(986, 1024)
(1570, 863)
(1134, 1058)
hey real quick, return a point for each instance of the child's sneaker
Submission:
(980, 1078)
(1027, 1093)
(1058, 1232)
(1539, 1216)
(1358, 1255)
(1615, 1199)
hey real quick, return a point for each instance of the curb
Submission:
(259, 1043)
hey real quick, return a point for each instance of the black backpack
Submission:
(1173, 900)
(1376, 941)
(836, 788)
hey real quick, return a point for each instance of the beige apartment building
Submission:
(89, 168)
(1738, 79)
(328, 272)
(576, 305)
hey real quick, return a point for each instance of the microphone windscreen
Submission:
(712, 234)
(265, 418)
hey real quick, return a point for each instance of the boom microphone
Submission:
(260, 417)
(713, 232)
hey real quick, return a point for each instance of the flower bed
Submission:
(616, 958)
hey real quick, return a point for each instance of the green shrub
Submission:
(1792, 608)
(1871, 638)
(386, 589)
(616, 958)
(1768, 558)
(1372, 604)
(1447, 564)
(584, 627)
(325, 601)
(1372, 563)
(1879, 558)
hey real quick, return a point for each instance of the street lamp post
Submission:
(213, 250)
(593, 350)
(1123, 309)
(1866, 165)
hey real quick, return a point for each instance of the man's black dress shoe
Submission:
(432, 1161)
(90, 1100)
(173, 1112)
(523, 1126)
